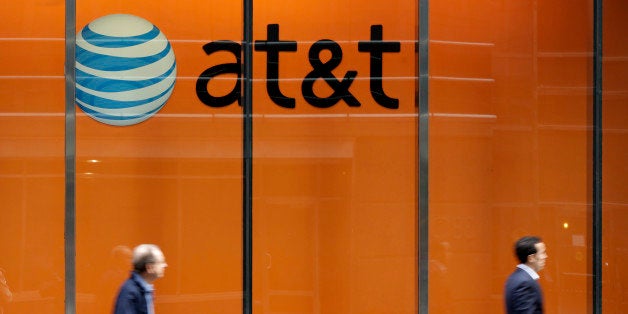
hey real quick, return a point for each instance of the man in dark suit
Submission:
(522, 293)
(136, 294)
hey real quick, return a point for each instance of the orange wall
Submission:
(335, 189)
(32, 158)
(614, 157)
(174, 180)
(510, 149)
(319, 190)
(334, 210)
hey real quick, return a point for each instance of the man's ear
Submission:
(149, 267)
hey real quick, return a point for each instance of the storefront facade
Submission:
(313, 157)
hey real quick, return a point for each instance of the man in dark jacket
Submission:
(136, 294)
(523, 293)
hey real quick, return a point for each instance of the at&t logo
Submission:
(125, 69)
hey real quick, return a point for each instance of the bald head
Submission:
(144, 254)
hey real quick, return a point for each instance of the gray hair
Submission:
(144, 254)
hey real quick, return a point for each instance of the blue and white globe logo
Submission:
(125, 69)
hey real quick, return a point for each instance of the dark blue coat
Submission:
(131, 298)
(523, 294)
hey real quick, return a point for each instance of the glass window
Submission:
(335, 157)
(174, 179)
(510, 150)
(32, 157)
(615, 155)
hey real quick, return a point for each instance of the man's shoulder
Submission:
(130, 286)
(518, 276)
(130, 299)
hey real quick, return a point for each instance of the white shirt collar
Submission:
(530, 271)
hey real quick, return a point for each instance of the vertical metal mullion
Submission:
(247, 142)
(423, 204)
(70, 158)
(597, 157)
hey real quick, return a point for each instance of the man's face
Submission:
(537, 261)
(157, 269)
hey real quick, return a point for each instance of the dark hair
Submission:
(526, 246)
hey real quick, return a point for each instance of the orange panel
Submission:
(615, 155)
(510, 149)
(173, 180)
(335, 177)
(32, 157)
(334, 183)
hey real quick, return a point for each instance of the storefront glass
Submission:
(510, 150)
(32, 158)
(174, 180)
(335, 157)
(160, 140)
(614, 158)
